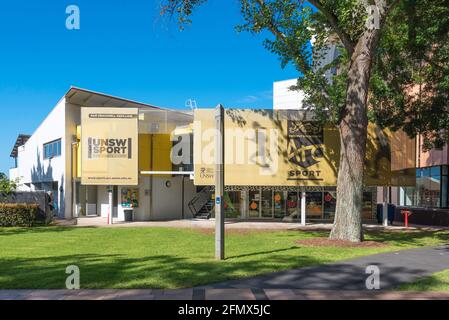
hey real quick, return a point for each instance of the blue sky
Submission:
(126, 48)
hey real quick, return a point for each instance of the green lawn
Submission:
(149, 257)
(437, 282)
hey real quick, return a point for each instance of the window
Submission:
(314, 205)
(431, 188)
(367, 210)
(232, 204)
(410, 198)
(52, 149)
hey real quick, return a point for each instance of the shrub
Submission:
(17, 214)
(7, 186)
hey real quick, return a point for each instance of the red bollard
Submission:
(406, 214)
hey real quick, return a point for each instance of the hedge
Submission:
(17, 214)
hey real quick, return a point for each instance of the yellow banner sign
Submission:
(279, 148)
(109, 143)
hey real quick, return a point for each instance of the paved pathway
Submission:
(229, 224)
(395, 268)
(343, 280)
(217, 294)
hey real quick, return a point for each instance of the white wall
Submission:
(189, 193)
(102, 201)
(161, 203)
(13, 174)
(330, 53)
(166, 202)
(394, 195)
(286, 99)
(143, 212)
(32, 167)
(61, 124)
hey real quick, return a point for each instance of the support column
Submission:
(385, 206)
(303, 208)
(219, 183)
(110, 212)
(74, 199)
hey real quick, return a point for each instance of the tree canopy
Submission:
(409, 83)
(390, 66)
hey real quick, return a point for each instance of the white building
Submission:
(286, 99)
(47, 159)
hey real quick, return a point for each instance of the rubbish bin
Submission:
(379, 213)
(128, 215)
(391, 209)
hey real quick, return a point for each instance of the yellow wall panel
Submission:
(75, 162)
(144, 152)
(295, 151)
(161, 152)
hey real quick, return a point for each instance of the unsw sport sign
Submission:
(109, 146)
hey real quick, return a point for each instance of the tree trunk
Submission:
(353, 135)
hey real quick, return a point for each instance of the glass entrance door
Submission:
(314, 205)
(267, 204)
(232, 204)
(254, 204)
(279, 204)
(330, 202)
(292, 204)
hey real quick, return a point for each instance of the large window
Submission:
(292, 204)
(279, 204)
(428, 185)
(232, 204)
(330, 203)
(430, 191)
(314, 205)
(267, 204)
(254, 203)
(52, 149)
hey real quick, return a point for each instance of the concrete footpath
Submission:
(217, 294)
(343, 280)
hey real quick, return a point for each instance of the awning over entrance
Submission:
(89, 98)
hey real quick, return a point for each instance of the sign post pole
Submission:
(219, 182)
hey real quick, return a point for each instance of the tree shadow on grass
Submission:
(119, 271)
(337, 276)
(262, 253)
(417, 238)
